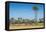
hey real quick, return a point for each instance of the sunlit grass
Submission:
(23, 26)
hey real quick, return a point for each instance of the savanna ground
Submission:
(24, 26)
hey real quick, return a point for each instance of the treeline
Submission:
(26, 21)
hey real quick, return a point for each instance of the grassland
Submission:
(24, 26)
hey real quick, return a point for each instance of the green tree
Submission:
(20, 20)
(35, 8)
(12, 20)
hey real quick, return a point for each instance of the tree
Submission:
(19, 20)
(41, 20)
(35, 8)
(12, 20)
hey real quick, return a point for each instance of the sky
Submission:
(25, 11)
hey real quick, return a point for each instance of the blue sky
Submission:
(25, 11)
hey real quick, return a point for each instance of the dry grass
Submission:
(23, 26)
